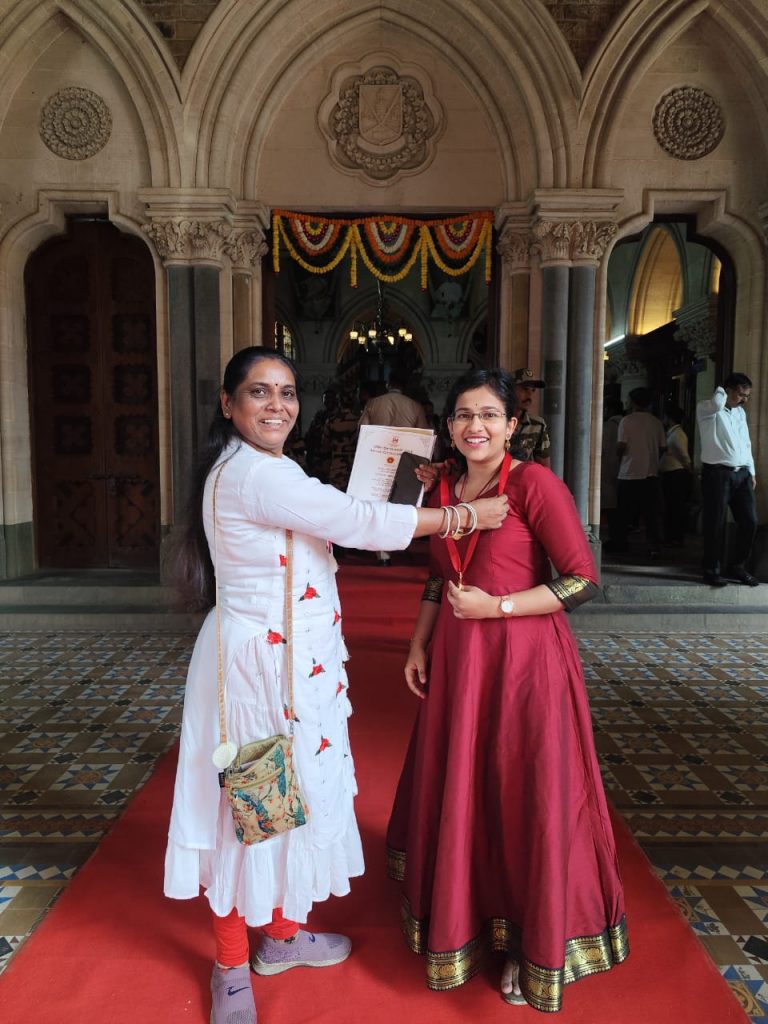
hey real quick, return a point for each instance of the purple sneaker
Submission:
(232, 996)
(305, 949)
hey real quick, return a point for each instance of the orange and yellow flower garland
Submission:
(389, 247)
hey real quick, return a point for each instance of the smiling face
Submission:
(479, 426)
(264, 406)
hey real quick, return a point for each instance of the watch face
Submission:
(507, 606)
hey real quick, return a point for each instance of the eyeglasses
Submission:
(489, 416)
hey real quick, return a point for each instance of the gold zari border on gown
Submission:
(541, 986)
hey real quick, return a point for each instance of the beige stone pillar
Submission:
(189, 229)
(515, 287)
(246, 247)
(573, 230)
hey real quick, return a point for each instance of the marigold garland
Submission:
(388, 246)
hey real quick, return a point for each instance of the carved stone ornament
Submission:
(246, 248)
(688, 123)
(188, 240)
(381, 124)
(699, 337)
(572, 241)
(75, 123)
(514, 249)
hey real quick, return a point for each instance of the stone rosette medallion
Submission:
(380, 120)
(688, 123)
(75, 123)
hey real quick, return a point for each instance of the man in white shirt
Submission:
(641, 443)
(393, 409)
(727, 480)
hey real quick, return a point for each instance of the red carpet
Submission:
(114, 951)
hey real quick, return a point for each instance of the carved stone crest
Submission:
(688, 123)
(380, 121)
(75, 123)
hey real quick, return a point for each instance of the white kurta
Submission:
(258, 498)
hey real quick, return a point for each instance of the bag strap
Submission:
(288, 616)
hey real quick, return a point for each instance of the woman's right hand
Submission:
(491, 512)
(416, 671)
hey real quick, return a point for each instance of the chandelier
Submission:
(379, 331)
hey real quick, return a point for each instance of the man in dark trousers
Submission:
(727, 480)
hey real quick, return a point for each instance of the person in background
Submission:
(641, 443)
(530, 441)
(676, 477)
(246, 497)
(727, 480)
(340, 437)
(316, 456)
(609, 467)
(500, 830)
(393, 409)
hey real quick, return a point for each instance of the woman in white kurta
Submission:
(260, 495)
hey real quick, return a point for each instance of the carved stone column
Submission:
(515, 286)
(572, 230)
(189, 229)
(246, 247)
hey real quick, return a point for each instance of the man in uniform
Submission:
(530, 441)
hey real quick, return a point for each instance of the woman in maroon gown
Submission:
(500, 830)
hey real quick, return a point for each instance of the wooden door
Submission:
(93, 376)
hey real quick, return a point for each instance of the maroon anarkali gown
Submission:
(500, 830)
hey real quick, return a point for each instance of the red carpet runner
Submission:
(114, 951)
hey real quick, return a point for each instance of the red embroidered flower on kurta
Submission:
(317, 669)
(339, 688)
(283, 560)
(287, 714)
(309, 593)
(336, 617)
(275, 638)
(324, 744)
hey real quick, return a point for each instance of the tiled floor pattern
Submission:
(681, 726)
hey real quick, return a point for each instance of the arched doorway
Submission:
(93, 383)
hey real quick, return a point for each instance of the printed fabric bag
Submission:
(259, 777)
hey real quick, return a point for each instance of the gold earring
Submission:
(453, 443)
(506, 445)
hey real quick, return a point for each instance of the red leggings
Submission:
(231, 935)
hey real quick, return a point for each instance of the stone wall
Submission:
(583, 23)
(179, 23)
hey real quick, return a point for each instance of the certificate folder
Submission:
(377, 458)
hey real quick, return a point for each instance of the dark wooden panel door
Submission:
(93, 375)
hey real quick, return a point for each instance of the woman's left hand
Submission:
(471, 602)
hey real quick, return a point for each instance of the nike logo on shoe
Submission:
(233, 991)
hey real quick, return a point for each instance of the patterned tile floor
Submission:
(681, 725)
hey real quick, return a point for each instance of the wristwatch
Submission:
(506, 606)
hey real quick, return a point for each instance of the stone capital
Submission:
(572, 241)
(245, 247)
(188, 225)
(179, 240)
(514, 247)
(573, 225)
